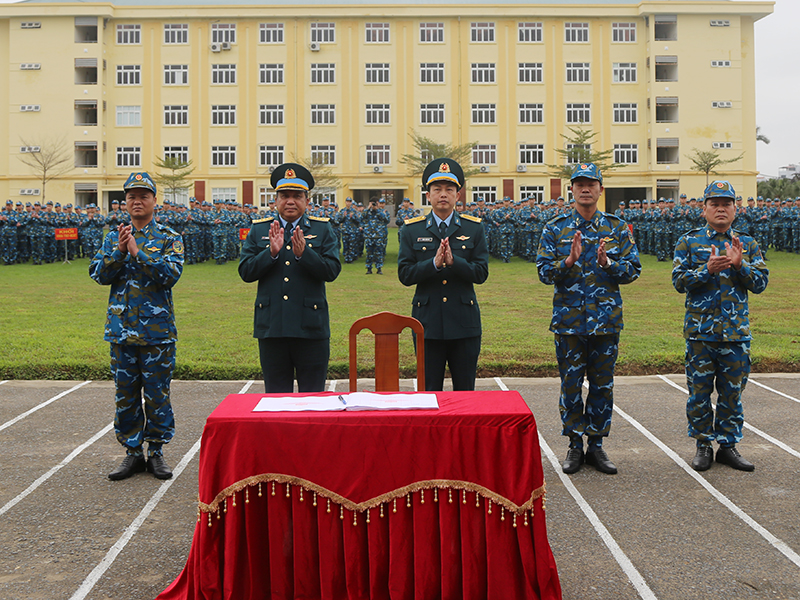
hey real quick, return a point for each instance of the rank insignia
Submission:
(463, 237)
(310, 237)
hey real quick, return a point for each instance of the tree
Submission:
(53, 159)
(176, 175)
(780, 187)
(706, 161)
(428, 150)
(324, 175)
(579, 150)
(760, 137)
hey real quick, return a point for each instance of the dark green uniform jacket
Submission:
(291, 292)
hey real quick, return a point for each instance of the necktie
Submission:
(287, 232)
(442, 229)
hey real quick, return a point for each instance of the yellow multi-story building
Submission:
(239, 88)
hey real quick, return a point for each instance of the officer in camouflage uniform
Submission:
(587, 254)
(505, 219)
(8, 234)
(95, 222)
(349, 221)
(219, 221)
(141, 263)
(375, 221)
(715, 266)
(403, 213)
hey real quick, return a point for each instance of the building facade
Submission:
(239, 89)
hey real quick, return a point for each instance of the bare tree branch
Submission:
(54, 159)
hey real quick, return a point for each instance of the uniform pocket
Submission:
(315, 311)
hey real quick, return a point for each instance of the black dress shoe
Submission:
(158, 467)
(600, 461)
(730, 456)
(129, 466)
(573, 462)
(703, 458)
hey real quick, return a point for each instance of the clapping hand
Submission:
(575, 250)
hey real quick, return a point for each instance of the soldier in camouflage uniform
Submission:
(141, 263)
(8, 234)
(375, 222)
(505, 218)
(715, 267)
(349, 221)
(587, 254)
(403, 213)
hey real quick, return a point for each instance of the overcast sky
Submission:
(777, 86)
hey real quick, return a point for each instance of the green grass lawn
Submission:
(52, 317)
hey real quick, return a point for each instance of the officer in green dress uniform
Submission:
(444, 254)
(291, 256)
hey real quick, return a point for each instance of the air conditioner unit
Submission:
(314, 46)
(484, 169)
(272, 168)
(521, 168)
(216, 47)
(226, 45)
(377, 169)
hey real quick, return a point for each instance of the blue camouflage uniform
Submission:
(587, 314)
(140, 327)
(375, 222)
(717, 330)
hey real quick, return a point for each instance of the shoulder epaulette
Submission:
(471, 218)
(414, 220)
(264, 220)
(323, 219)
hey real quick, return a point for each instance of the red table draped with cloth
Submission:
(396, 505)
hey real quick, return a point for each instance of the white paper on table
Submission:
(371, 401)
(299, 403)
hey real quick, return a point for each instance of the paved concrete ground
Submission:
(655, 530)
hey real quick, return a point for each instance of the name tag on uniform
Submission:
(424, 239)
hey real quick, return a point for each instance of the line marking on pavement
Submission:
(746, 425)
(414, 381)
(4, 381)
(751, 380)
(103, 566)
(32, 487)
(332, 386)
(776, 543)
(42, 405)
(619, 555)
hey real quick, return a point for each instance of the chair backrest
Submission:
(387, 327)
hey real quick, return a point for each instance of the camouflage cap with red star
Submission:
(140, 180)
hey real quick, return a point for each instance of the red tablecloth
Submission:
(375, 504)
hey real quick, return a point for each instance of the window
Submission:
(624, 72)
(722, 145)
(223, 156)
(534, 192)
(377, 114)
(484, 154)
(667, 110)
(531, 113)
(323, 73)
(576, 32)
(720, 63)
(579, 113)
(223, 32)
(323, 33)
(323, 155)
(529, 32)
(376, 33)
(176, 74)
(378, 155)
(666, 28)
(530, 72)
(223, 74)
(323, 114)
(265, 194)
(667, 151)
(431, 33)
(271, 33)
(223, 114)
(666, 68)
(270, 156)
(129, 116)
(626, 154)
(578, 153)
(377, 72)
(482, 32)
(129, 34)
(531, 154)
(178, 153)
(578, 72)
(129, 74)
(483, 72)
(85, 112)
(270, 73)
(129, 156)
(176, 33)
(176, 114)
(623, 32)
(484, 192)
(86, 71)
(431, 114)
(223, 194)
(86, 155)
(85, 29)
(431, 73)
(626, 113)
(271, 114)
(483, 114)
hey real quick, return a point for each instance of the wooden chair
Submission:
(387, 327)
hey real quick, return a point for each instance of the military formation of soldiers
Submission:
(211, 231)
